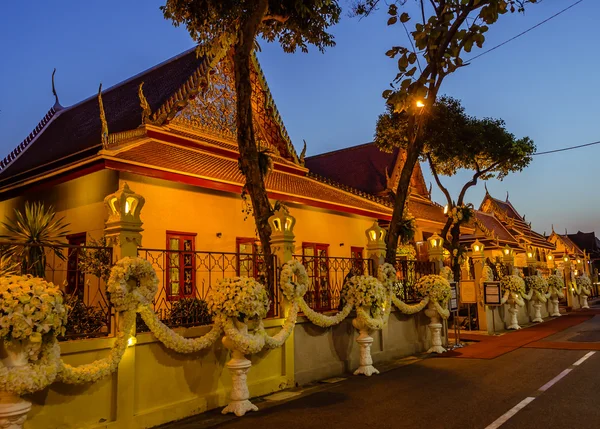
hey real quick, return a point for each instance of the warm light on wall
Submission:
(131, 341)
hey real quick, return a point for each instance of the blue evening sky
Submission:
(543, 84)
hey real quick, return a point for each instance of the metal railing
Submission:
(327, 276)
(408, 273)
(186, 278)
(81, 272)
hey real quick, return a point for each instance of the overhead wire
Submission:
(566, 148)
(524, 32)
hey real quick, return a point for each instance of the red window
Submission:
(75, 277)
(249, 257)
(315, 259)
(356, 253)
(181, 265)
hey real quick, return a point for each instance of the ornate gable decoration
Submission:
(213, 111)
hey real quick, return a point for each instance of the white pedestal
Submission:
(555, 312)
(513, 310)
(366, 367)
(239, 404)
(436, 329)
(537, 312)
(584, 301)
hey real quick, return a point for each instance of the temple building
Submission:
(500, 227)
(170, 134)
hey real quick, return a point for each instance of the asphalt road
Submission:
(448, 393)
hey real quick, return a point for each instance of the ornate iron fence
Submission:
(327, 276)
(81, 272)
(186, 278)
(408, 274)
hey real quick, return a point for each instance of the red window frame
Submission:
(75, 277)
(253, 258)
(183, 262)
(320, 282)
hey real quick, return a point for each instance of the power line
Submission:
(524, 32)
(566, 148)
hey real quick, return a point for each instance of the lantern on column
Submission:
(477, 248)
(436, 249)
(124, 225)
(508, 254)
(282, 222)
(375, 235)
(282, 225)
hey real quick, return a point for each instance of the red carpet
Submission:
(490, 347)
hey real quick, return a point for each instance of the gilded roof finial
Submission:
(104, 135)
(146, 110)
(303, 153)
(57, 105)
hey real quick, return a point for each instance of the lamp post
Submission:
(531, 262)
(550, 260)
(477, 254)
(436, 250)
(508, 257)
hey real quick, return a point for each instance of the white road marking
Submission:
(554, 380)
(510, 413)
(514, 410)
(583, 359)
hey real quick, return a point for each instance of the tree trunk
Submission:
(249, 155)
(413, 152)
(455, 237)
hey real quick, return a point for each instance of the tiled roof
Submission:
(587, 241)
(362, 167)
(206, 165)
(75, 133)
(494, 225)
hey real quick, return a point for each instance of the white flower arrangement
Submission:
(434, 286)
(513, 283)
(387, 274)
(240, 298)
(31, 309)
(584, 285)
(556, 285)
(407, 250)
(122, 295)
(537, 286)
(366, 292)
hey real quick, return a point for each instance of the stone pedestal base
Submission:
(555, 311)
(436, 330)
(366, 367)
(537, 315)
(513, 310)
(584, 301)
(239, 404)
(13, 411)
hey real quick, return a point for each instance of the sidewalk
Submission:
(490, 347)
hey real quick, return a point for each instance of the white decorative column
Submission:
(513, 310)
(123, 231)
(13, 408)
(364, 341)
(537, 311)
(478, 257)
(584, 301)
(436, 329)
(435, 245)
(555, 312)
(238, 366)
(376, 246)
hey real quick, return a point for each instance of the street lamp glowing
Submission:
(420, 103)
(446, 209)
(550, 257)
(566, 258)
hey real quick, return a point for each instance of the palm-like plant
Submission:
(8, 267)
(30, 233)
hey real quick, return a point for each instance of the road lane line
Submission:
(583, 359)
(554, 380)
(514, 410)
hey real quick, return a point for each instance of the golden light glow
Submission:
(446, 209)
(566, 259)
(477, 248)
(506, 251)
(420, 103)
(529, 255)
(579, 261)
(550, 257)
(373, 235)
(131, 341)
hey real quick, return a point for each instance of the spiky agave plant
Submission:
(30, 233)
(8, 267)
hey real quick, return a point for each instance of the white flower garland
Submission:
(280, 338)
(447, 273)
(244, 342)
(487, 273)
(387, 275)
(409, 309)
(322, 320)
(293, 289)
(174, 341)
(30, 378)
(122, 296)
(30, 307)
(100, 368)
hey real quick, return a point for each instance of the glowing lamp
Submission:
(446, 209)
(282, 222)
(435, 242)
(132, 341)
(477, 248)
(550, 257)
(579, 261)
(124, 205)
(375, 234)
(566, 259)
(420, 103)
